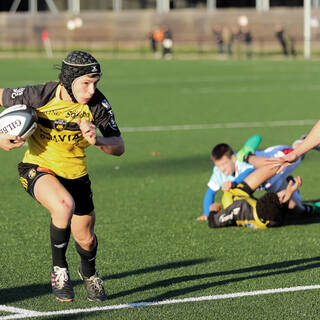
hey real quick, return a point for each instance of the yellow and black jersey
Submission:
(239, 209)
(57, 143)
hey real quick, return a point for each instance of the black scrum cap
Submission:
(75, 65)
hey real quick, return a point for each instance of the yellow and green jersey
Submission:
(57, 143)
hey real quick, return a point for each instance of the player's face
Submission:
(84, 87)
(226, 165)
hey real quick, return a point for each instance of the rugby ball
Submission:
(19, 120)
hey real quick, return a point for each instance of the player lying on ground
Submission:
(53, 170)
(228, 171)
(239, 208)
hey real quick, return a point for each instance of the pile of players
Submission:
(240, 175)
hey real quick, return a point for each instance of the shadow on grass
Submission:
(285, 267)
(167, 266)
(296, 219)
(32, 291)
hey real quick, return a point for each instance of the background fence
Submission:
(128, 31)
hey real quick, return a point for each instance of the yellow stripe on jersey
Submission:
(252, 224)
(57, 148)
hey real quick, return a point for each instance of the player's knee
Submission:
(64, 209)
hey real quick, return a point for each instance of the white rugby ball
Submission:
(19, 120)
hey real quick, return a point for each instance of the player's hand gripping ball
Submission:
(19, 120)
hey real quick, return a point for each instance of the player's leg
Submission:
(259, 176)
(256, 160)
(82, 227)
(250, 146)
(54, 197)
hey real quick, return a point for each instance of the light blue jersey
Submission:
(217, 177)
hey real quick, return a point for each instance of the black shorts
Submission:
(80, 189)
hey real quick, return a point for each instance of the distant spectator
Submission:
(153, 42)
(292, 43)
(280, 35)
(236, 39)
(158, 36)
(167, 43)
(217, 32)
(227, 40)
(247, 39)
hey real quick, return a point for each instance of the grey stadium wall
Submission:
(129, 29)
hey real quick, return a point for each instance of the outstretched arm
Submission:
(207, 202)
(312, 140)
(290, 189)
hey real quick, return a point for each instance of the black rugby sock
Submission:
(88, 259)
(59, 244)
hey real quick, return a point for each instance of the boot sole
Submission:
(63, 300)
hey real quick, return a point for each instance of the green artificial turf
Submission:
(151, 248)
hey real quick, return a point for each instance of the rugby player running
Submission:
(53, 170)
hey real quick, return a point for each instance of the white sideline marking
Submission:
(230, 125)
(18, 310)
(23, 313)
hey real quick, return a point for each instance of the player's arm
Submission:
(227, 185)
(110, 145)
(242, 176)
(207, 202)
(312, 140)
(214, 185)
(260, 175)
(292, 186)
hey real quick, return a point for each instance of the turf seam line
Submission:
(231, 125)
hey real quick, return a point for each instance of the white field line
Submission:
(239, 89)
(230, 125)
(24, 314)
